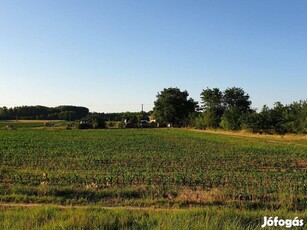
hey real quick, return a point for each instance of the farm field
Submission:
(32, 124)
(190, 178)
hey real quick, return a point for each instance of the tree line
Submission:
(229, 110)
(65, 112)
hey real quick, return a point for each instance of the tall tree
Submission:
(237, 106)
(211, 98)
(236, 98)
(231, 119)
(295, 117)
(212, 102)
(173, 106)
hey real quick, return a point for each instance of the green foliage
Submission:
(98, 122)
(224, 109)
(212, 98)
(67, 115)
(78, 111)
(231, 110)
(133, 119)
(212, 118)
(295, 116)
(93, 120)
(112, 124)
(252, 122)
(189, 121)
(42, 113)
(50, 217)
(231, 119)
(236, 98)
(173, 106)
(280, 119)
(237, 107)
(200, 122)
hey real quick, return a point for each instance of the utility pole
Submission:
(142, 107)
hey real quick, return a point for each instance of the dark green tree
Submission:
(68, 115)
(237, 106)
(231, 119)
(173, 106)
(97, 120)
(236, 98)
(133, 119)
(252, 122)
(212, 102)
(211, 98)
(4, 113)
(295, 117)
(277, 118)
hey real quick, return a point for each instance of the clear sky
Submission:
(113, 56)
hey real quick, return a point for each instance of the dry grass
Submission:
(200, 196)
(300, 164)
(243, 133)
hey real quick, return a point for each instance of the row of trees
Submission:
(130, 116)
(72, 113)
(65, 112)
(98, 120)
(230, 110)
(279, 119)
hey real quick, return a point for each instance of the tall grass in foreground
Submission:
(98, 218)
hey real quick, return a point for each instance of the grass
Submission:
(30, 121)
(232, 178)
(98, 218)
(32, 124)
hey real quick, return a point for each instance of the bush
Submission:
(99, 123)
(84, 126)
(200, 122)
(231, 119)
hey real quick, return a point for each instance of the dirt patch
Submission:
(200, 196)
(300, 164)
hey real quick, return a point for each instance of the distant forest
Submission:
(64, 112)
(69, 113)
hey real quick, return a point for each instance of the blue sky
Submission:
(113, 56)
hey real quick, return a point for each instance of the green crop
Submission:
(162, 165)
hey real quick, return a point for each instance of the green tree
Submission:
(251, 122)
(278, 119)
(211, 98)
(4, 113)
(133, 119)
(237, 106)
(173, 106)
(236, 98)
(212, 102)
(97, 120)
(295, 117)
(231, 119)
(67, 115)
(142, 116)
(199, 122)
